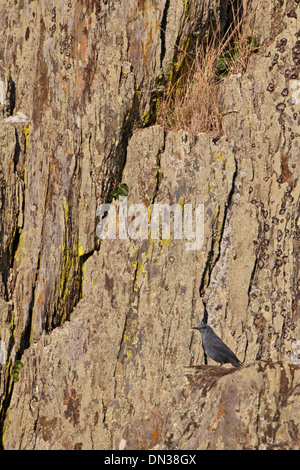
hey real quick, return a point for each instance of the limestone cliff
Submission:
(103, 329)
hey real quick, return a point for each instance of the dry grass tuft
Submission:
(192, 106)
(191, 103)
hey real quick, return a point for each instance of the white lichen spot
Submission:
(296, 352)
(295, 91)
(2, 352)
(2, 92)
(19, 117)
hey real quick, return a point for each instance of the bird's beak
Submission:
(194, 328)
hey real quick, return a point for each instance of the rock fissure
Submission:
(216, 242)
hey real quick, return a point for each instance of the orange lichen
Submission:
(221, 411)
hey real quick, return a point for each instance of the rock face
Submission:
(103, 329)
(224, 409)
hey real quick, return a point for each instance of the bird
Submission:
(215, 348)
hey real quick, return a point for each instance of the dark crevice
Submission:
(7, 254)
(246, 347)
(74, 284)
(212, 259)
(230, 13)
(26, 334)
(208, 265)
(9, 386)
(158, 173)
(17, 151)
(205, 313)
(7, 262)
(252, 279)
(227, 207)
(70, 282)
(118, 154)
(82, 259)
(8, 382)
(204, 321)
(69, 290)
(71, 285)
(11, 92)
(163, 26)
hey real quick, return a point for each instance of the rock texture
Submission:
(224, 409)
(103, 328)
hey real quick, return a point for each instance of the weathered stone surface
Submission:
(223, 408)
(122, 366)
(85, 74)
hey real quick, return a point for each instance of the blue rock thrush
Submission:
(215, 347)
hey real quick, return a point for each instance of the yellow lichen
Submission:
(129, 338)
(165, 242)
(209, 190)
(181, 203)
(220, 157)
(26, 131)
